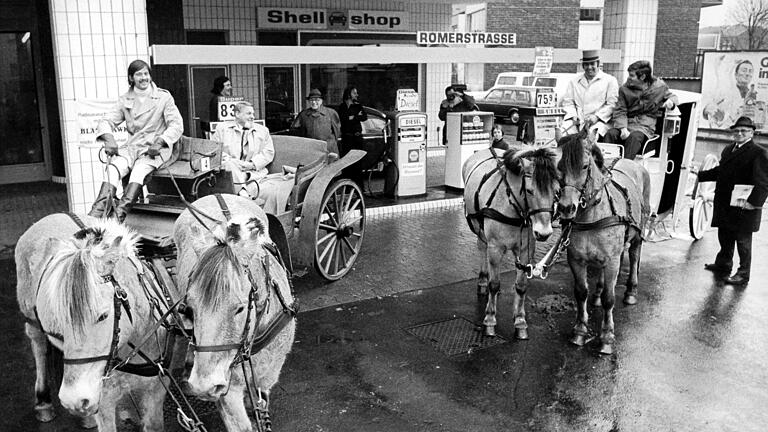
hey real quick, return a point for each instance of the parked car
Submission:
(558, 81)
(534, 109)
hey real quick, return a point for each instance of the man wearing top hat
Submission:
(590, 98)
(318, 122)
(740, 191)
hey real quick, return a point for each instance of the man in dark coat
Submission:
(455, 101)
(741, 163)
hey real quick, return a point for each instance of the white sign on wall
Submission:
(378, 20)
(543, 63)
(89, 112)
(408, 100)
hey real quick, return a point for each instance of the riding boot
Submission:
(103, 203)
(130, 195)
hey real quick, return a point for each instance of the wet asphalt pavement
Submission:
(689, 357)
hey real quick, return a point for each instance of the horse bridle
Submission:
(251, 342)
(593, 198)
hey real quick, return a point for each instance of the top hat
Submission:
(589, 56)
(314, 93)
(744, 122)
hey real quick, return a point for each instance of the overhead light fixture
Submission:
(25, 38)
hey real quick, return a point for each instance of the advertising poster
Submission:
(734, 84)
(89, 112)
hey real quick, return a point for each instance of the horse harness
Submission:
(592, 199)
(486, 211)
(120, 303)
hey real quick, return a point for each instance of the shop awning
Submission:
(264, 55)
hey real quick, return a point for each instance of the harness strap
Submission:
(77, 220)
(599, 224)
(223, 205)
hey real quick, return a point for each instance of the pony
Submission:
(603, 208)
(508, 203)
(79, 290)
(240, 301)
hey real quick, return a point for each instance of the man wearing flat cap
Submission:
(590, 98)
(740, 191)
(318, 122)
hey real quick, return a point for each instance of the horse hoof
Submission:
(630, 299)
(596, 302)
(606, 349)
(490, 331)
(521, 333)
(578, 340)
(88, 422)
(45, 414)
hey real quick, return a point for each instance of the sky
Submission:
(716, 15)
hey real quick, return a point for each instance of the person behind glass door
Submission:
(154, 124)
(351, 115)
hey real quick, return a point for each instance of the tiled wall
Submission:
(630, 26)
(93, 43)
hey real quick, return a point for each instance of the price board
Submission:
(225, 107)
(408, 100)
(546, 98)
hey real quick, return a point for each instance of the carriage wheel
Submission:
(340, 229)
(703, 193)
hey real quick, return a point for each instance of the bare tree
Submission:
(753, 16)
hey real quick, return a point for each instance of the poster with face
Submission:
(734, 84)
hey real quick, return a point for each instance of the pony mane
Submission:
(545, 172)
(572, 147)
(213, 278)
(68, 283)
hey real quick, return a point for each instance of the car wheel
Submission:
(514, 117)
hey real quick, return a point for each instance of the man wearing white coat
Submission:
(590, 98)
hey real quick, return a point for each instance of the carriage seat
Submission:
(195, 157)
(307, 156)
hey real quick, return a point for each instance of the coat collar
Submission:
(149, 103)
(733, 151)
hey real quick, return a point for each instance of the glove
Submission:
(668, 104)
(110, 145)
(155, 147)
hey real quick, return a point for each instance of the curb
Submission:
(414, 207)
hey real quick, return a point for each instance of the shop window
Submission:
(197, 37)
(377, 84)
(590, 14)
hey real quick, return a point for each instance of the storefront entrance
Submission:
(279, 84)
(23, 156)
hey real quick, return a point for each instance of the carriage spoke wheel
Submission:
(700, 215)
(340, 229)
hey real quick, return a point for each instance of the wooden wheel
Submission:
(340, 229)
(700, 215)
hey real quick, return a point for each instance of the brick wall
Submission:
(552, 23)
(676, 37)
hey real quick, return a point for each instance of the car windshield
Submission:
(507, 81)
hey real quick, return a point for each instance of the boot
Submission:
(104, 201)
(130, 195)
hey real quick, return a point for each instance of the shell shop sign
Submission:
(331, 19)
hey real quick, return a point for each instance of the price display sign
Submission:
(226, 107)
(546, 98)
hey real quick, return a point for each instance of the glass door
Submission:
(279, 97)
(22, 151)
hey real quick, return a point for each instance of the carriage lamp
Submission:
(672, 122)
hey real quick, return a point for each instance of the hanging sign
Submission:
(407, 100)
(543, 63)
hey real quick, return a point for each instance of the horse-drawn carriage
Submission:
(324, 213)
(111, 302)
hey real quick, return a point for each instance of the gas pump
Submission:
(408, 147)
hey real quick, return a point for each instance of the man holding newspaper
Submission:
(740, 191)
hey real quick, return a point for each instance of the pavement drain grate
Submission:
(454, 336)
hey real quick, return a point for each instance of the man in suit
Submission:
(741, 163)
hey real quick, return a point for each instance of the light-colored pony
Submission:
(219, 269)
(63, 280)
(606, 207)
(508, 201)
